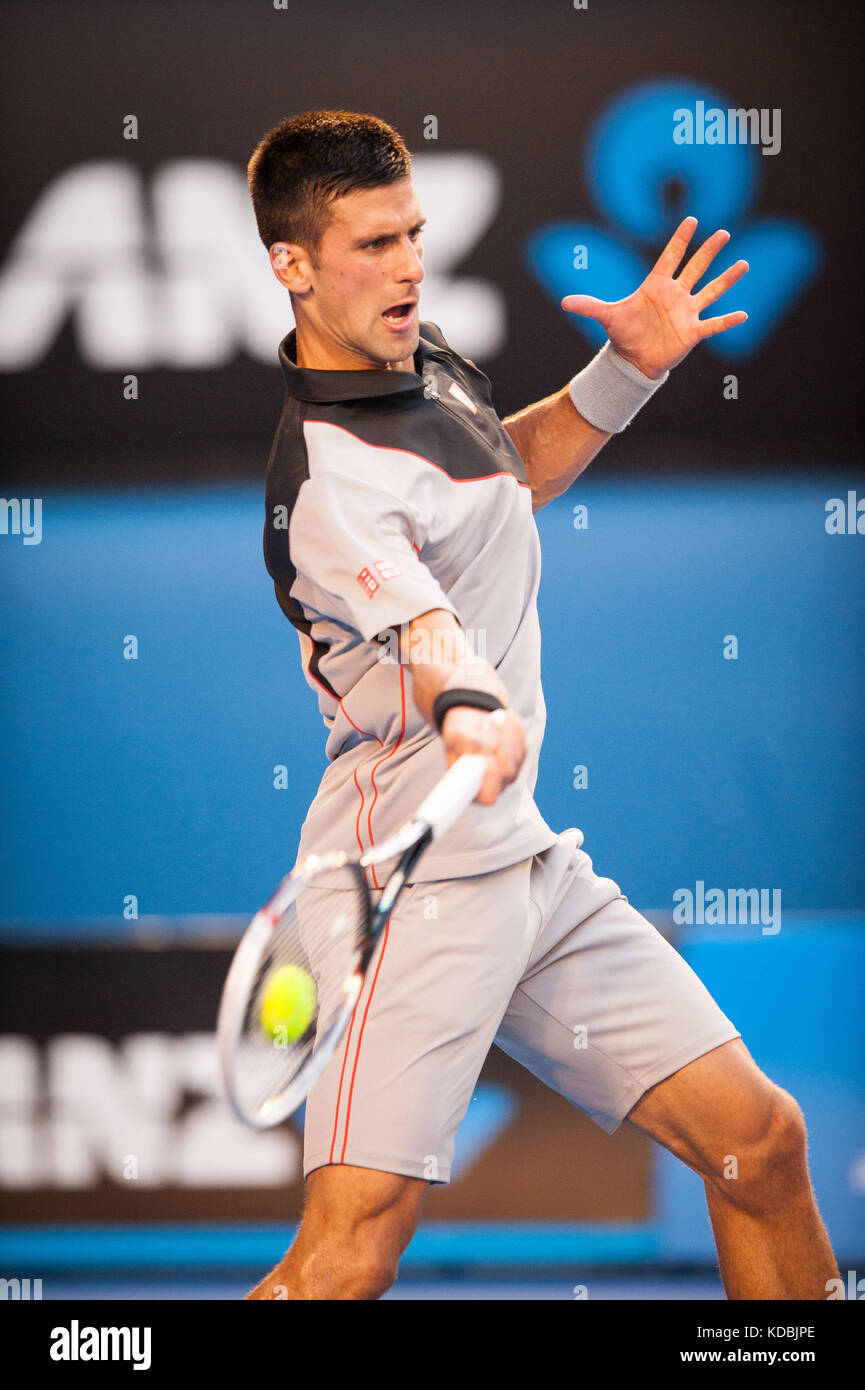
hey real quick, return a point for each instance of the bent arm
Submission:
(440, 657)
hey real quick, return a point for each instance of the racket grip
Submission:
(450, 797)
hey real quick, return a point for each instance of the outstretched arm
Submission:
(649, 332)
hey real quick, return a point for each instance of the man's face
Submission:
(361, 310)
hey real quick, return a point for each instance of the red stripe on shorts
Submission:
(360, 1040)
(384, 942)
(341, 1075)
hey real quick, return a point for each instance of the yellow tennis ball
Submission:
(288, 1004)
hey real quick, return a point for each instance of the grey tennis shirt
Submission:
(389, 494)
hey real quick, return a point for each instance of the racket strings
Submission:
(321, 933)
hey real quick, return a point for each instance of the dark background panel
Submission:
(518, 83)
(545, 1162)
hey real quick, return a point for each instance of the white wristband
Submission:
(609, 391)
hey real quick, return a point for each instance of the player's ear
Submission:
(291, 265)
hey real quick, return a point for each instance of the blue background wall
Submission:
(155, 776)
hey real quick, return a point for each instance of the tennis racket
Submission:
(321, 941)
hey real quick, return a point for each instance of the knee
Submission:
(767, 1162)
(370, 1274)
(783, 1155)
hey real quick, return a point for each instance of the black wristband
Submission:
(478, 699)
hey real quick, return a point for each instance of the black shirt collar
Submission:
(311, 384)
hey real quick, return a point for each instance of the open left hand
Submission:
(657, 325)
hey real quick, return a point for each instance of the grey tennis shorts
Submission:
(544, 958)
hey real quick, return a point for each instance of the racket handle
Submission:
(450, 797)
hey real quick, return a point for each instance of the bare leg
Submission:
(357, 1223)
(746, 1137)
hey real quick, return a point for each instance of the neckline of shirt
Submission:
(314, 384)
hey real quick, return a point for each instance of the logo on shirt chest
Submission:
(431, 384)
(464, 399)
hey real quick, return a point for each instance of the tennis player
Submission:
(400, 537)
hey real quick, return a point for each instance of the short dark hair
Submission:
(307, 161)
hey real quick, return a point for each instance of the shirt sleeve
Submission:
(356, 553)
